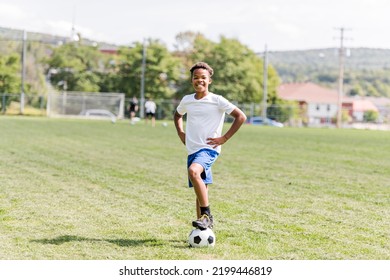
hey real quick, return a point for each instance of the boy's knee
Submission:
(194, 172)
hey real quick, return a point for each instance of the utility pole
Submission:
(341, 78)
(23, 74)
(265, 79)
(141, 112)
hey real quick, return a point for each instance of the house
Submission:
(359, 107)
(319, 105)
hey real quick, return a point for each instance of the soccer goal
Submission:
(85, 104)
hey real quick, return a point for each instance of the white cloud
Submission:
(289, 30)
(279, 23)
(11, 12)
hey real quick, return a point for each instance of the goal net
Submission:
(85, 104)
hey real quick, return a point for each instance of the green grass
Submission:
(76, 189)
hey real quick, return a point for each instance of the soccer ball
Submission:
(201, 238)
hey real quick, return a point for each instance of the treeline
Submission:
(75, 66)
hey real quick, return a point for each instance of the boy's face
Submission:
(201, 80)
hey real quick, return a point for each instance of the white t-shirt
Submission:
(205, 119)
(150, 107)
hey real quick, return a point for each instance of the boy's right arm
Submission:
(178, 119)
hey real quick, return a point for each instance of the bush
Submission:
(370, 116)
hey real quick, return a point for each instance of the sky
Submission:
(278, 24)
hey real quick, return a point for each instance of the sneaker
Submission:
(211, 221)
(203, 222)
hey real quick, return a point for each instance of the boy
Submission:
(133, 109)
(203, 136)
(150, 110)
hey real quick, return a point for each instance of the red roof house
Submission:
(321, 104)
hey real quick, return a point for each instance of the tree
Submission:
(190, 48)
(371, 90)
(9, 79)
(35, 77)
(161, 74)
(357, 90)
(185, 42)
(77, 66)
(238, 71)
(10, 73)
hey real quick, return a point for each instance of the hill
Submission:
(356, 58)
(9, 34)
(366, 70)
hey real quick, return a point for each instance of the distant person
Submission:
(133, 109)
(203, 136)
(150, 111)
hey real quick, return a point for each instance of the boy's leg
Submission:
(201, 190)
(199, 214)
(198, 211)
(194, 172)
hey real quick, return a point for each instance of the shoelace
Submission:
(204, 216)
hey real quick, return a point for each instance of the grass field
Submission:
(77, 189)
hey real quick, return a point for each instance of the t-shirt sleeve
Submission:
(181, 108)
(225, 105)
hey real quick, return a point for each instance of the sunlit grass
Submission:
(76, 189)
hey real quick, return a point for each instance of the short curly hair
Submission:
(202, 65)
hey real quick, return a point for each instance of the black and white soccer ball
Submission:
(201, 238)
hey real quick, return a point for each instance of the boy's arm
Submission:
(178, 120)
(239, 119)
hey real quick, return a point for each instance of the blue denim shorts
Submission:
(206, 158)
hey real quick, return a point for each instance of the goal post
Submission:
(77, 104)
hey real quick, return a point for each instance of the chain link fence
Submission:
(43, 105)
(22, 104)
